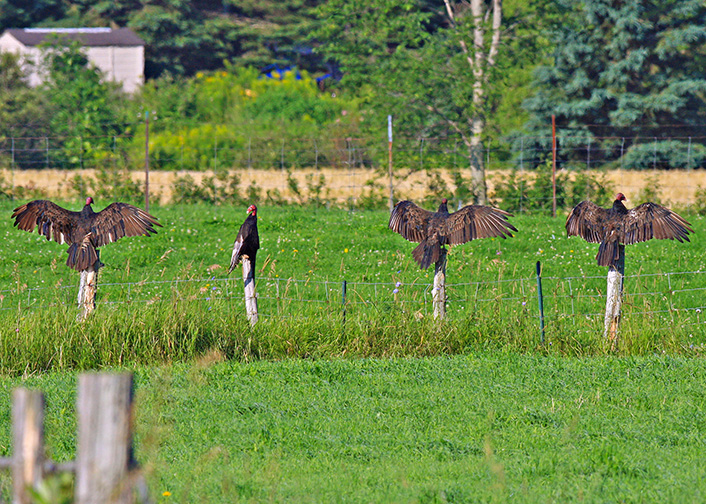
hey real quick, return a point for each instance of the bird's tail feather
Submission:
(426, 253)
(81, 256)
(608, 253)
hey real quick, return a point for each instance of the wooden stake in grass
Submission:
(614, 298)
(87, 289)
(249, 287)
(104, 454)
(438, 294)
(28, 443)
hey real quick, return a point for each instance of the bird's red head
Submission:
(89, 201)
(444, 201)
(620, 197)
(252, 209)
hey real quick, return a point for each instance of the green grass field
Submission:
(388, 405)
(489, 427)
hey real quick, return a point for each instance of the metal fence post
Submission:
(540, 299)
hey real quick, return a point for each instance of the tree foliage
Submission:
(185, 37)
(84, 108)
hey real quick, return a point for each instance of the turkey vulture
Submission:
(86, 230)
(617, 225)
(247, 242)
(434, 229)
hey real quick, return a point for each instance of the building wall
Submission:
(120, 64)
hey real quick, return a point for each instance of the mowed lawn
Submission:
(487, 427)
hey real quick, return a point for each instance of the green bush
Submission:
(533, 192)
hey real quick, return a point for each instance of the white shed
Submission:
(119, 54)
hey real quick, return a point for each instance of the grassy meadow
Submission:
(167, 298)
(382, 404)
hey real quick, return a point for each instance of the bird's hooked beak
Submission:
(251, 209)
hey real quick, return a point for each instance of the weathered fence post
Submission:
(249, 286)
(438, 293)
(614, 299)
(28, 443)
(87, 289)
(104, 454)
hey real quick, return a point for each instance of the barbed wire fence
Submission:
(354, 168)
(668, 299)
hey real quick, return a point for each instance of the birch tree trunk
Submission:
(614, 299)
(438, 293)
(481, 60)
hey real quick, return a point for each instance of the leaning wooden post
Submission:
(87, 290)
(614, 299)
(28, 443)
(438, 294)
(104, 454)
(249, 286)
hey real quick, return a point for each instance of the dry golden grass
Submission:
(677, 187)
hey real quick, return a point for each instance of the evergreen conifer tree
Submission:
(627, 82)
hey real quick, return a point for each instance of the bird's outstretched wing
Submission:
(651, 220)
(121, 219)
(52, 221)
(588, 221)
(477, 221)
(410, 221)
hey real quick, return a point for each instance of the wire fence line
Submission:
(660, 295)
(345, 171)
(578, 151)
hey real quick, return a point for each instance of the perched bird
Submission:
(247, 242)
(86, 230)
(432, 230)
(617, 225)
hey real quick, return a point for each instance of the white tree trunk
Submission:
(438, 293)
(614, 299)
(249, 286)
(481, 61)
(87, 289)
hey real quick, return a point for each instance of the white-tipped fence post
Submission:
(87, 289)
(614, 299)
(249, 286)
(104, 456)
(438, 294)
(28, 443)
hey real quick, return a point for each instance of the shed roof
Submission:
(87, 36)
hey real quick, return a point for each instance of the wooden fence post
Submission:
(28, 443)
(249, 286)
(104, 455)
(438, 293)
(87, 289)
(614, 299)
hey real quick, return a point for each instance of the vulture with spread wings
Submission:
(86, 230)
(247, 241)
(432, 230)
(617, 225)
